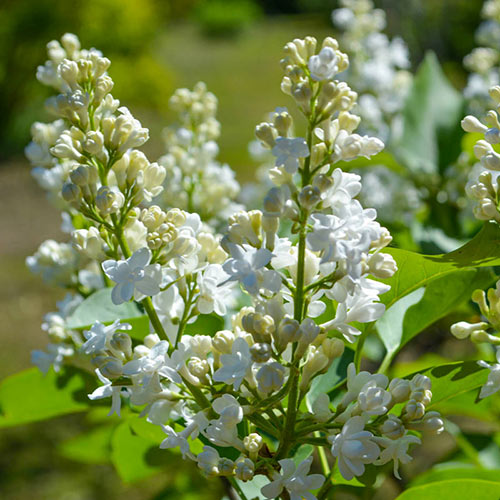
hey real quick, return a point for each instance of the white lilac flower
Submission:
(176, 440)
(108, 390)
(270, 377)
(395, 449)
(208, 461)
(245, 264)
(149, 365)
(373, 400)
(215, 291)
(354, 448)
(99, 336)
(236, 365)
(356, 381)
(295, 479)
(133, 277)
(289, 151)
(53, 357)
(493, 383)
(324, 66)
(224, 431)
(169, 306)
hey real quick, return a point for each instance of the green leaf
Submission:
(100, 307)
(470, 489)
(421, 308)
(418, 270)
(453, 379)
(338, 479)
(335, 375)
(383, 158)
(92, 447)
(205, 324)
(445, 474)
(30, 396)
(431, 121)
(136, 457)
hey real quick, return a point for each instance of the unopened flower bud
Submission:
(393, 427)
(253, 443)
(225, 466)
(323, 182)
(333, 348)
(244, 469)
(462, 329)
(414, 410)
(288, 331)
(400, 390)
(112, 368)
(309, 197)
(122, 342)
(70, 192)
(267, 134)
(260, 352)
(223, 341)
(431, 422)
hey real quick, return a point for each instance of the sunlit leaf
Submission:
(470, 489)
(30, 396)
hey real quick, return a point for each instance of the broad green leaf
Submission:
(470, 489)
(30, 396)
(418, 270)
(338, 479)
(431, 121)
(100, 307)
(92, 447)
(453, 379)
(136, 457)
(302, 453)
(466, 404)
(419, 309)
(251, 488)
(444, 474)
(329, 380)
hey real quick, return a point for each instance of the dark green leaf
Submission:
(453, 379)
(336, 374)
(205, 324)
(30, 396)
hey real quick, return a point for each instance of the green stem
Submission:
(147, 302)
(327, 485)
(322, 457)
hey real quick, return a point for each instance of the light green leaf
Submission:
(100, 307)
(419, 309)
(453, 379)
(136, 457)
(338, 479)
(30, 396)
(92, 447)
(470, 489)
(431, 121)
(444, 474)
(383, 158)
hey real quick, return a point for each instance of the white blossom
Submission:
(235, 366)
(354, 448)
(133, 277)
(289, 151)
(295, 479)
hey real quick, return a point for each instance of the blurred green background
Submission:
(155, 46)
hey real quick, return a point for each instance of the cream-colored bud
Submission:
(223, 341)
(288, 331)
(253, 443)
(316, 363)
(333, 348)
(283, 122)
(472, 124)
(122, 342)
(400, 390)
(225, 466)
(462, 329)
(267, 134)
(244, 469)
(112, 368)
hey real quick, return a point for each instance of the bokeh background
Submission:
(155, 46)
